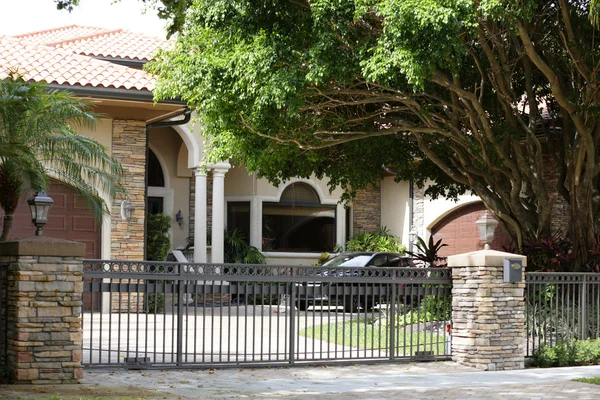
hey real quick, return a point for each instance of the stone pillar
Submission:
(129, 148)
(218, 210)
(488, 314)
(45, 286)
(366, 210)
(200, 216)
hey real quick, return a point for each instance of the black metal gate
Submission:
(3, 317)
(173, 315)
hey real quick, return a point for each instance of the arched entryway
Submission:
(70, 218)
(459, 232)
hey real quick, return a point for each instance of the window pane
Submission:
(298, 229)
(238, 217)
(155, 205)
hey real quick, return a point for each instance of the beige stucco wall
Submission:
(102, 132)
(166, 144)
(395, 206)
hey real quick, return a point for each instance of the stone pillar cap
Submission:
(42, 246)
(488, 258)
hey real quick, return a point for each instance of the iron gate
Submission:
(174, 315)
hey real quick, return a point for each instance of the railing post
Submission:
(180, 296)
(583, 331)
(392, 343)
(292, 318)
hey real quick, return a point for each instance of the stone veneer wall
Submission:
(129, 148)
(128, 241)
(560, 208)
(418, 222)
(45, 288)
(209, 182)
(488, 318)
(366, 210)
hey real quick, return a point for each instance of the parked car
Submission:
(354, 261)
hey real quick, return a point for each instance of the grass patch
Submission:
(594, 380)
(363, 333)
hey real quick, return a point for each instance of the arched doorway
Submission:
(459, 232)
(70, 218)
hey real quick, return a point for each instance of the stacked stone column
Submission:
(45, 286)
(488, 314)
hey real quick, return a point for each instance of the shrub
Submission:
(380, 240)
(159, 242)
(575, 352)
(429, 253)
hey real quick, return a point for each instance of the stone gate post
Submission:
(488, 314)
(45, 286)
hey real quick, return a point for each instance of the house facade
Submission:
(161, 151)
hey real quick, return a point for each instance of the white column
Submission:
(200, 216)
(218, 211)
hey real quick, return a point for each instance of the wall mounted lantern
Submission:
(39, 205)
(179, 217)
(127, 209)
(487, 225)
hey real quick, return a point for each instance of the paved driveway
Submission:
(439, 381)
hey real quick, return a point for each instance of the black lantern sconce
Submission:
(40, 205)
(179, 217)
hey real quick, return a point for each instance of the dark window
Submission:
(155, 172)
(238, 217)
(299, 222)
(155, 205)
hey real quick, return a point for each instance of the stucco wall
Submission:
(395, 207)
(166, 144)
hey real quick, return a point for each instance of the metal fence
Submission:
(162, 315)
(561, 307)
(3, 315)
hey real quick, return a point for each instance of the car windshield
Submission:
(349, 260)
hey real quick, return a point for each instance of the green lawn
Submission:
(595, 380)
(362, 334)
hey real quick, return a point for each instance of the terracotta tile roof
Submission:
(99, 42)
(56, 66)
(61, 34)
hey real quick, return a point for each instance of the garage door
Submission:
(70, 218)
(459, 232)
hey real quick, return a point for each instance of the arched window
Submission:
(156, 178)
(298, 222)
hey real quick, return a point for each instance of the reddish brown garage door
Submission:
(70, 218)
(459, 232)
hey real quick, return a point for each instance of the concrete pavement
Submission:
(436, 380)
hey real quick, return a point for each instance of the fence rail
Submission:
(561, 307)
(162, 315)
(3, 315)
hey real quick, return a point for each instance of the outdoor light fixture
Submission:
(179, 217)
(39, 205)
(487, 225)
(127, 209)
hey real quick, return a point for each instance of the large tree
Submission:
(37, 140)
(486, 94)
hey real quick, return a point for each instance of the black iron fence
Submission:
(561, 307)
(161, 315)
(3, 316)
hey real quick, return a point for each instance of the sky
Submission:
(23, 16)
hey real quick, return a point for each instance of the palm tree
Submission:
(37, 140)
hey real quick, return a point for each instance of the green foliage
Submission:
(155, 303)
(158, 242)
(37, 140)
(380, 240)
(575, 352)
(238, 251)
(438, 90)
(595, 380)
(428, 253)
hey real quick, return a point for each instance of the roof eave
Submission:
(113, 93)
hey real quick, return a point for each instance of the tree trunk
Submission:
(582, 227)
(8, 220)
